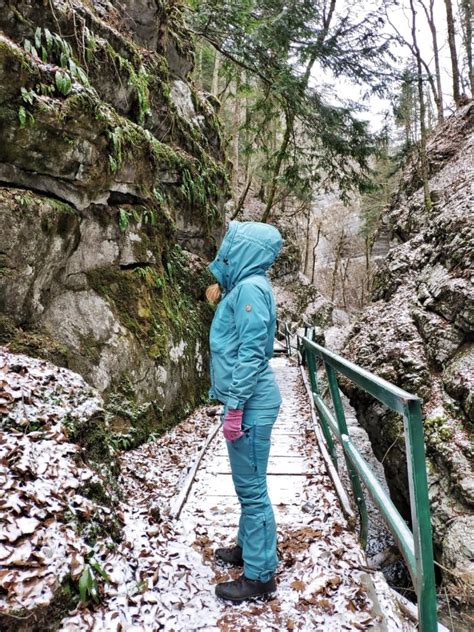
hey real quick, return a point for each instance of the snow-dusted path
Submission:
(288, 469)
(163, 575)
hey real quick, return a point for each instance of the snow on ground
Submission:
(41, 478)
(140, 569)
(161, 576)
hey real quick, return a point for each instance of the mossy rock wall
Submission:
(114, 184)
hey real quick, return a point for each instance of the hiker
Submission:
(241, 343)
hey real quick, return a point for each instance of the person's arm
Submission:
(252, 318)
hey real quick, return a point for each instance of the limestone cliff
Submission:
(417, 333)
(112, 190)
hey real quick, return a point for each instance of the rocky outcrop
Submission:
(113, 187)
(417, 333)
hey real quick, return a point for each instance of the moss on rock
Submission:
(34, 342)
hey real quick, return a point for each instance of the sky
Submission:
(399, 18)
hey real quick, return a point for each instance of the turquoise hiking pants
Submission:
(248, 461)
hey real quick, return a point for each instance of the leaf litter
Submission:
(41, 474)
(160, 575)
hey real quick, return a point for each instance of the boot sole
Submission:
(261, 597)
(221, 562)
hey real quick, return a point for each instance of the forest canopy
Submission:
(283, 55)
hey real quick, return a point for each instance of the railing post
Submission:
(315, 390)
(302, 347)
(420, 514)
(355, 481)
(287, 339)
(416, 545)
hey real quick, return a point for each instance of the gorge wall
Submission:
(417, 333)
(112, 188)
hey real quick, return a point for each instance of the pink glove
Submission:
(232, 426)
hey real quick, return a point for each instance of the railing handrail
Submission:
(364, 378)
(283, 329)
(415, 547)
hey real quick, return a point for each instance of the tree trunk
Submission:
(438, 94)
(467, 13)
(289, 122)
(215, 74)
(421, 98)
(235, 140)
(248, 121)
(314, 253)
(198, 67)
(306, 250)
(430, 114)
(337, 260)
(344, 273)
(452, 51)
(290, 115)
(368, 283)
(242, 198)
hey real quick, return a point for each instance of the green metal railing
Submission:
(283, 330)
(416, 547)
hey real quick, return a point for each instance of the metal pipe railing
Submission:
(284, 331)
(416, 546)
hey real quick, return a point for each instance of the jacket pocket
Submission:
(221, 372)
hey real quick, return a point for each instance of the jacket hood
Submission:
(247, 248)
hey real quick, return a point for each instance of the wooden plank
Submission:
(280, 489)
(277, 451)
(227, 513)
(279, 447)
(276, 465)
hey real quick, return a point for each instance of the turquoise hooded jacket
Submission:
(243, 329)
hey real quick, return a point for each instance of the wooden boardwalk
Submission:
(162, 574)
(303, 499)
(287, 472)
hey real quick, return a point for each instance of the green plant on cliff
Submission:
(116, 136)
(90, 45)
(52, 48)
(145, 214)
(138, 78)
(25, 117)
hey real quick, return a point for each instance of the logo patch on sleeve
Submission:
(248, 308)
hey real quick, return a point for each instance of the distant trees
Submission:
(453, 51)
(422, 78)
(428, 8)
(466, 9)
(423, 161)
(276, 67)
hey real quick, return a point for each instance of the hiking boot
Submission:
(232, 555)
(244, 588)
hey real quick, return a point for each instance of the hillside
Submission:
(417, 333)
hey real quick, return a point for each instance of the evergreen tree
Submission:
(290, 49)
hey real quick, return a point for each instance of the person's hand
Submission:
(232, 425)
